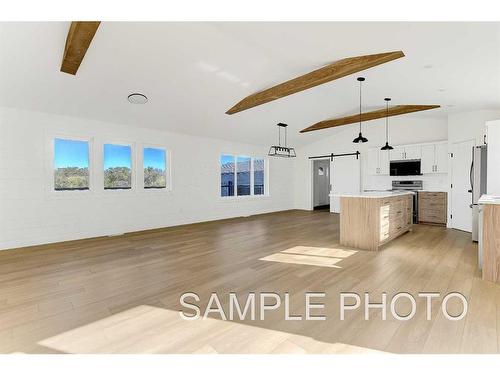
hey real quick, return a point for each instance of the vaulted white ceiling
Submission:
(193, 72)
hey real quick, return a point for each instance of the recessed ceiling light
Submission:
(137, 98)
(428, 66)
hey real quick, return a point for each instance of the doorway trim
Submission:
(311, 166)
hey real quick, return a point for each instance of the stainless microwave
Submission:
(405, 168)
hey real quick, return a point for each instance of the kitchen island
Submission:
(369, 220)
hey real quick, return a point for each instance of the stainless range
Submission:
(412, 185)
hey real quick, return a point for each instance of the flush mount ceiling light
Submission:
(360, 138)
(282, 151)
(137, 98)
(387, 147)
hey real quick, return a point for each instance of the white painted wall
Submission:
(402, 130)
(493, 182)
(31, 214)
(470, 125)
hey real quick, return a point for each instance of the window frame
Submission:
(133, 166)
(50, 164)
(168, 166)
(266, 177)
(252, 176)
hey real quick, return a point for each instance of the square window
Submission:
(117, 166)
(258, 176)
(155, 168)
(227, 176)
(243, 175)
(71, 164)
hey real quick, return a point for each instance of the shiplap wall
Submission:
(31, 214)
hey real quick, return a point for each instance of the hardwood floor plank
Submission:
(121, 294)
(480, 331)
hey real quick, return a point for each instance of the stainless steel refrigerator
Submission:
(478, 184)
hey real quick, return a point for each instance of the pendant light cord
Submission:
(360, 106)
(387, 121)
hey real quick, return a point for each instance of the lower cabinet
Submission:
(432, 208)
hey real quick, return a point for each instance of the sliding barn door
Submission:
(345, 177)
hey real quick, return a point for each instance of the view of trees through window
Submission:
(240, 173)
(71, 164)
(155, 171)
(117, 166)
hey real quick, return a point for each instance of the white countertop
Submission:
(489, 199)
(372, 194)
(431, 191)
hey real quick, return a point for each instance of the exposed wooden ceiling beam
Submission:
(79, 37)
(317, 77)
(381, 113)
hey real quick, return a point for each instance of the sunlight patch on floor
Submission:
(149, 329)
(311, 256)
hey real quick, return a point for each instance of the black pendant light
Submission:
(360, 138)
(387, 147)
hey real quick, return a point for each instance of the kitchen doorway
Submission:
(461, 189)
(321, 184)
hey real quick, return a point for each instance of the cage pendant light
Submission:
(282, 151)
(360, 138)
(387, 147)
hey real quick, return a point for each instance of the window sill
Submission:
(124, 191)
(244, 198)
(155, 191)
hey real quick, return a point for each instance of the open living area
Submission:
(249, 187)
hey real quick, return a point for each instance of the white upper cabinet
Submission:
(428, 159)
(378, 162)
(398, 153)
(406, 153)
(435, 158)
(383, 162)
(412, 152)
(442, 158)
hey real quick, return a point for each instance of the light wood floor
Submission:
(121, 294)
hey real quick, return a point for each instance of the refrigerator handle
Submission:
(471, 177)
